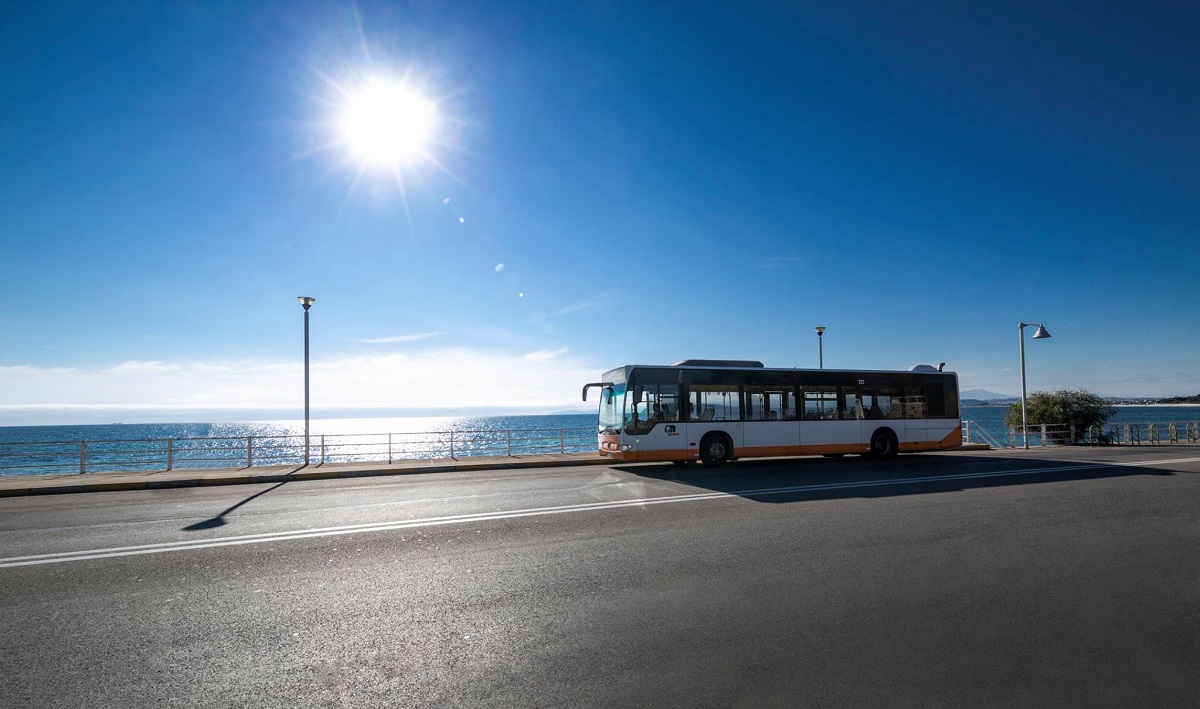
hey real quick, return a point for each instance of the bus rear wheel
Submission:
(715, 449)
(884, 444)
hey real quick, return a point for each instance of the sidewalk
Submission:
(16, 485)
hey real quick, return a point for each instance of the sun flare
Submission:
(387, 123)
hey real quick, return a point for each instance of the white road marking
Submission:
(56, 557)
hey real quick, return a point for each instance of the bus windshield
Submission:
(612, 403)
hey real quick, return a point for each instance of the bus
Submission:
(717, 411)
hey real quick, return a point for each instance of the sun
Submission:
(387, 123)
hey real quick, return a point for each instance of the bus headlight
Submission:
(626, 448)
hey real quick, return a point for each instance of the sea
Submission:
(123, 446)
(120, 446)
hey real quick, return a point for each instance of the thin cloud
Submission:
(595, 301)
(140, 367)
(401, 338)
(545, 355)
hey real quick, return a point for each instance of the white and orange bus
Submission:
(720, 410)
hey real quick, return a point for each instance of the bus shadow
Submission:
(811, 479)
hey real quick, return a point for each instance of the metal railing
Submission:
(1127, 433)
(973, 433)
(107, 455)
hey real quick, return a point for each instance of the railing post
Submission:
(322, 449)
(451, 443)
(1072, 433)
(1043, 435)
(82, 457)
(249, 451)
(389, 449)
(508, 449)
(170, 453)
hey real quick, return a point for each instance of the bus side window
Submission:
(889, 402)
(719, 402)
(821, 403)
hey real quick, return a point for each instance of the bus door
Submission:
(832, 422)
(656, 423)
(770, 421)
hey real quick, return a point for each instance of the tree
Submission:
(1068, 407)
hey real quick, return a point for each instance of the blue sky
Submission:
(608, 183)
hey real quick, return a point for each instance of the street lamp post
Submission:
(1039, 334)
(307, 303)
(820, 347)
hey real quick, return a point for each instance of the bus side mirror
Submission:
(602, 385)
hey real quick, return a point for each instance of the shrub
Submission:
(1077, 407)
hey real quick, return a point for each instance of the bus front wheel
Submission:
(884, 444)
(715, 449)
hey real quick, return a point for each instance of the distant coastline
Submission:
(1165, 406)
(988, 404)
(975, 403)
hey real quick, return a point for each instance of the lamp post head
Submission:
(820, 330)
(1041, 333)
(307, 303)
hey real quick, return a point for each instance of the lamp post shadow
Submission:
(219, 520)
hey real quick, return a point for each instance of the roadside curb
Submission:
(215, 477)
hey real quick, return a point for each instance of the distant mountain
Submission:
(985, 395)
(1181, 400)
(574, 411)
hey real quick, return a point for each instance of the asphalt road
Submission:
(1058, 577)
